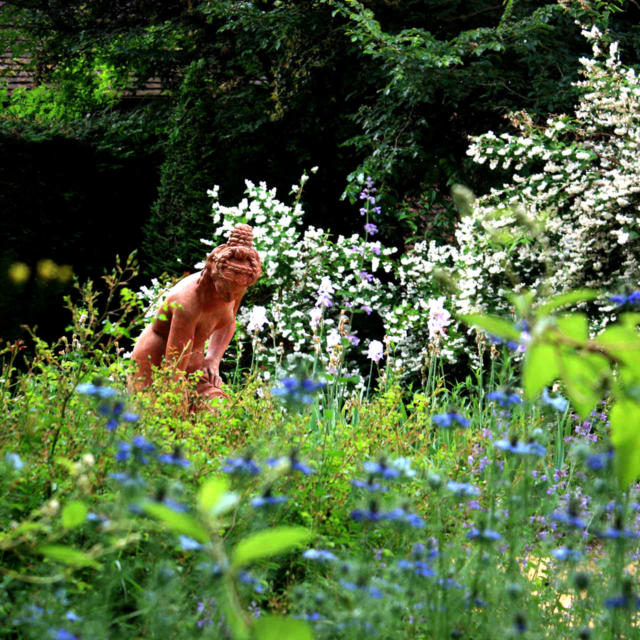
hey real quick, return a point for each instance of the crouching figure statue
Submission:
(200, 307)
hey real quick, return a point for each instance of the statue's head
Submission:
(236, 262)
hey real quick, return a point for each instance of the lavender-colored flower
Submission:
(439, 318)
(375, 249)
(315, 317)
(353, 339)
(365, 275)
(375, 351)
(367, 309)
(450, 419)
(371, 228)
(325, 293)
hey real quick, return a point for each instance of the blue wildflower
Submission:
(566, 554)
(484, 535)
(127, 480)
(381, 468)
(244, 466)
(248, 579)
(72, 617)
(319, 554)
(293, 463)
(267, 500)
(569, 518)
(14, 461)
(520, 448)
(419, 568)
(446, 420)
(297, 391)
(632, 299)
(504, 399)
(369, 485)
(614, 533)
(463, 489)
(173, 505)
(370, 590)
(622, 602)
(599, 461)
(174, 458)
(558, 403)
(63, 634)
(372, 514)
(96, 389)
(189, 544)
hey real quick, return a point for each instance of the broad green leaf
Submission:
(178, 522)
(74, 514)
(622, 342)
(565, 300)
(211, 493)
(279, 628)
(583, 375)
(625, 436)
(540, 368)
(493, 325)
(574, 326)
(68, 555)
(270, 542)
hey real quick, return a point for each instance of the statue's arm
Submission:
(218, 343)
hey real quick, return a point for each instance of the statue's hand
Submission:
(212, 373)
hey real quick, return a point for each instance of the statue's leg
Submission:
(147, 353)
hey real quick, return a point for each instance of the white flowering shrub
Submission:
(567, 218)
(312, 285)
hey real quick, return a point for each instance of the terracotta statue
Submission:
(200, 307)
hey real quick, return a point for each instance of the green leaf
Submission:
(540, 368)
(574, 326)
(279, 628)
(493, 325)
(233, 612)
(625, 436)
(211, 493)
(566, 300)
(68, 555)
(178, 522)
(622, 342)
(267, 543)
(74, 514)
(583, 375)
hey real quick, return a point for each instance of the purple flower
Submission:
(366, 308)
(365, 275)
(354, 340)
(375, 249)
(570, 519)
(371, 228)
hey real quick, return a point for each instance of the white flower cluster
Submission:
(569, 215)
(308, 279)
